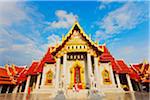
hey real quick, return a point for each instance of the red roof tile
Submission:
(137, 67)
(4, 77)
(22, 76)
(123, 67)
(19, 68)
(3, 72)
(11, 71)
(106, 56)
(134, 75)
(32, 68)
(48, 58)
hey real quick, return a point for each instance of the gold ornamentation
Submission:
(106, 77)
(72, 70)
(49, 77)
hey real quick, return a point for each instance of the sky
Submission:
(28, 28)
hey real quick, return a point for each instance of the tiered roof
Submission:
(143, 71)
(4, 77)
(9, 74)
(37, 66)
(118, 66)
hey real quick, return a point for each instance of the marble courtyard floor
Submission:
(108, 96)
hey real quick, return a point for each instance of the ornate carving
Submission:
(72, 72)
(49, 77)
(106, 77)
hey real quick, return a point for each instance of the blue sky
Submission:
(28, 28)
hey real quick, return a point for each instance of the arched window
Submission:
(106, 77)
(49, 77)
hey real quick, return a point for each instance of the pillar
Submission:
(27, 84)
(20, 88)
(57, 72)
(1, 88)
(129, 83)
(96, 71)
(7, 91)
(38, 81)
(118, 80)
(64, 70)
(15, 89)
(112, 75)
(90, 74)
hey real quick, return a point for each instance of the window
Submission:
(106, 77)
(49, 77)
(80, 47)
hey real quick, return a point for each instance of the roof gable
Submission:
(77, 35)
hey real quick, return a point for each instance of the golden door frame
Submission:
(104, 73)
(72, 72)
(49, 76)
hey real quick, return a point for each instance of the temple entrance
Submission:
(77, 75)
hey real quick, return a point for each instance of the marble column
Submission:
(90, 74)
(38, 81)
(15, 89)
(129, 83)
(112, 75)
(64, 70)
(27, 84)
(20, 88)
(96, 71)
(118, 80)
(57, 72)
(1, 88)
(7, 91)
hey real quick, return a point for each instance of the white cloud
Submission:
(124, 18)
(15, 46)
(65, 19)
(11, 13)
(12, 51)
(105, 3)
(53, 39)
(102, 6)
(131, 54)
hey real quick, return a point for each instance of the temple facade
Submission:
(77, 60)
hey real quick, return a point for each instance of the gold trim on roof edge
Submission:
(81, 32)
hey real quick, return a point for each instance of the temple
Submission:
(76, 60)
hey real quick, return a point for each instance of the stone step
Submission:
(111, 90)
(82, 94)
